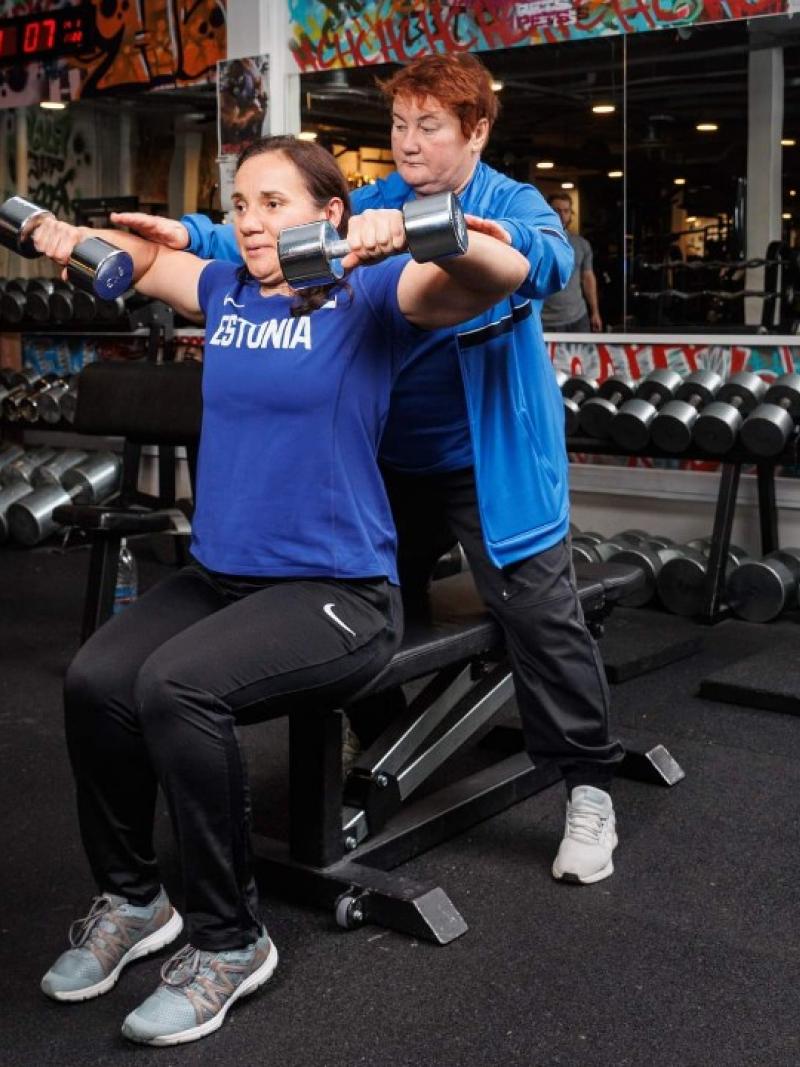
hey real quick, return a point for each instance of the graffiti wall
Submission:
(146, 45)
(62, 167)
(354, 33)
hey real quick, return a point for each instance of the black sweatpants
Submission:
(559, 679)
(155, 697)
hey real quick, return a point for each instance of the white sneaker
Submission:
(590, 837)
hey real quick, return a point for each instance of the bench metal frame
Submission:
(342, 856)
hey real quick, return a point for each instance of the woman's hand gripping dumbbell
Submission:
(430, 228)
(92, 263)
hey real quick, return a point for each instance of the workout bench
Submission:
(341, 855)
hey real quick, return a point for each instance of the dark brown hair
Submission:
(458, 81)
(323, 179)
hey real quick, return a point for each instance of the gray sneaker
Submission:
(112, 935)
(196, 990)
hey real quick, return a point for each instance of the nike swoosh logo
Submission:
(328, 609)
(229, 300)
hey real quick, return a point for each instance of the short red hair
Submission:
(459, 81)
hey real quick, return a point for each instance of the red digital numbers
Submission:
(39, 36)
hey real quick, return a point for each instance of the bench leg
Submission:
(101, 583)
(654, 766)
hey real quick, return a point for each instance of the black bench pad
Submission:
(100, 518)
(460, 626)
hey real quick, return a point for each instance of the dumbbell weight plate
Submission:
(584, 553)
(95, 479)
(30, 520)
(790, 557)
(52, 472)
(598, 411)
(645, 560)
(718, 425)
(435, 227)
(759, 590)
(9, 495)
(98, 267)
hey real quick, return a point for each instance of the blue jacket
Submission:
(515, 408)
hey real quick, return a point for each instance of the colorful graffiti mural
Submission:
(355, 33)
(136, 46)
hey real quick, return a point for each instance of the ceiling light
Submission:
(792, 192)
(786, 215)
(615, 174)
(679, 181)
(52, 105)
(307, 135)
(707, 127)
(568, 185)
(496, 86)
(545, 164)
(788, 142)
(691, 218)
(603, 109)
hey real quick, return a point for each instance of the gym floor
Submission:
(688, 955)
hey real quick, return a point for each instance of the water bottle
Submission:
(127, 586)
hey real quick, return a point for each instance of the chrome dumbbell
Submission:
(95, 264)
(312, 254)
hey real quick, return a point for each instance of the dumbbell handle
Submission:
(655, 399)
(94, 264)
(694, 400)
(580, 395)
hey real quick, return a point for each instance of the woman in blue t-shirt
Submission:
(292, 588)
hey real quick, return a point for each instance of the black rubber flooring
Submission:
(688, 955)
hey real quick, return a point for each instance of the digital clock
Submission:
(46, 35)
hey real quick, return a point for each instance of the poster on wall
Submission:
(242, 102)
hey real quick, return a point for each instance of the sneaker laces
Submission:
(585, 825)
(204, 977)
(81, 930)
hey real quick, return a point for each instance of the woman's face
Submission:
(430, 150)
(269, 195)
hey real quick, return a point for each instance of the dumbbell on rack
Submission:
(575, 391)
(310, 255)
(718, 424)
(766, 431)
(52, 472)
(650, 560)
(593, 547)
(758, 590)
(598, 411)
(672, 427)
(94, 265)
(94, 480)
(8, 453)
(681, 581)
(22, 468)
(51, 404)
(630, 427)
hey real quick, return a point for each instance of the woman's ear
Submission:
(480, 135)
(335, 210)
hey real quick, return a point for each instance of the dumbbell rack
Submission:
(730, 473)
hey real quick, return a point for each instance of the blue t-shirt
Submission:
(293, 410)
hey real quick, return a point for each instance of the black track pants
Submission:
(559, 679)
(155, 697)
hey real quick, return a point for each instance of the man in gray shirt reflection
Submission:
(575, 308)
